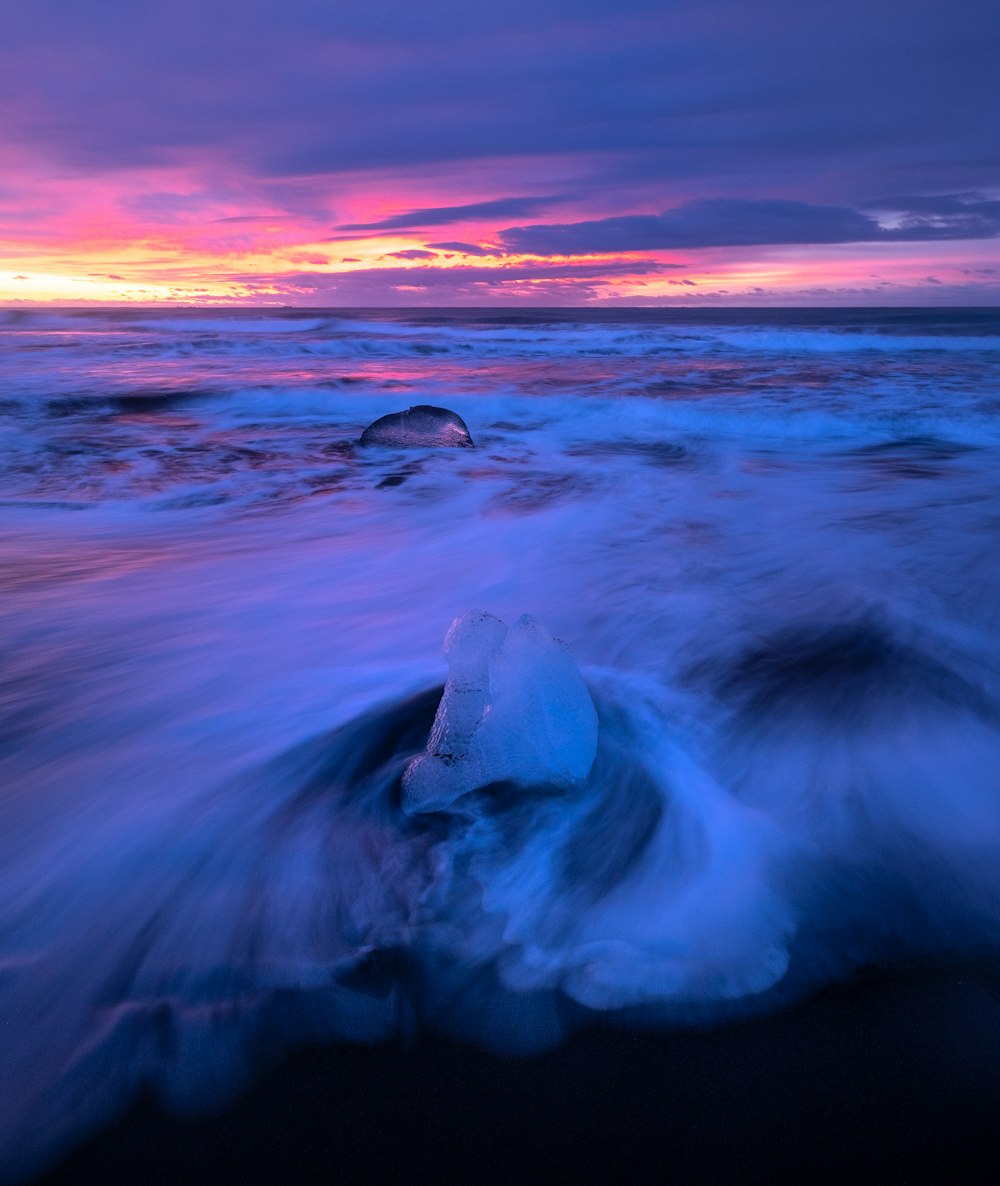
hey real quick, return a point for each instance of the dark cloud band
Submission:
(444, 215)
(731, 222)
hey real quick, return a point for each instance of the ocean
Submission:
(769, 544)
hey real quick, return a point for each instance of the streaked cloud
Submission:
(732, 222)
(412, 253)
(445, 215)
(179, 147)
(466, 248)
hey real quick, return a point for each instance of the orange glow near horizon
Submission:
(168, 236)
(86, 275)
(130, 274)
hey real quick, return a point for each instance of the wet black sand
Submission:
(895, 1078)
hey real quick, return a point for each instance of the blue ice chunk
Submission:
(515, 709)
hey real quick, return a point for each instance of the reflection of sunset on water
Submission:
(764, 543)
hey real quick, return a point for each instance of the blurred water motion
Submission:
(770, 546)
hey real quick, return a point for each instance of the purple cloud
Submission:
(732, 125)
(530, 283)
(731, 222)
(443, 215)
(467, 248)
(838, 102)
(412, 253)
(940, 216)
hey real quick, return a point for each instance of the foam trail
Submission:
(774, 567)
(301, 902)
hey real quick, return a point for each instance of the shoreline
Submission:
(893, 1077)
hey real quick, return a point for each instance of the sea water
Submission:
(769, 541)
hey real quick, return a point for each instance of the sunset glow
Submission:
(500, 678)
(534, 157)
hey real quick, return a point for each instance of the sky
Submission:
(523, 152)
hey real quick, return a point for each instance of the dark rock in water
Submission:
(420, 427)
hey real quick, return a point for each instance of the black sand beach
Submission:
(894, 1078)
(769, 546)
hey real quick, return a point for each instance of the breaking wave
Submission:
(221, 657)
